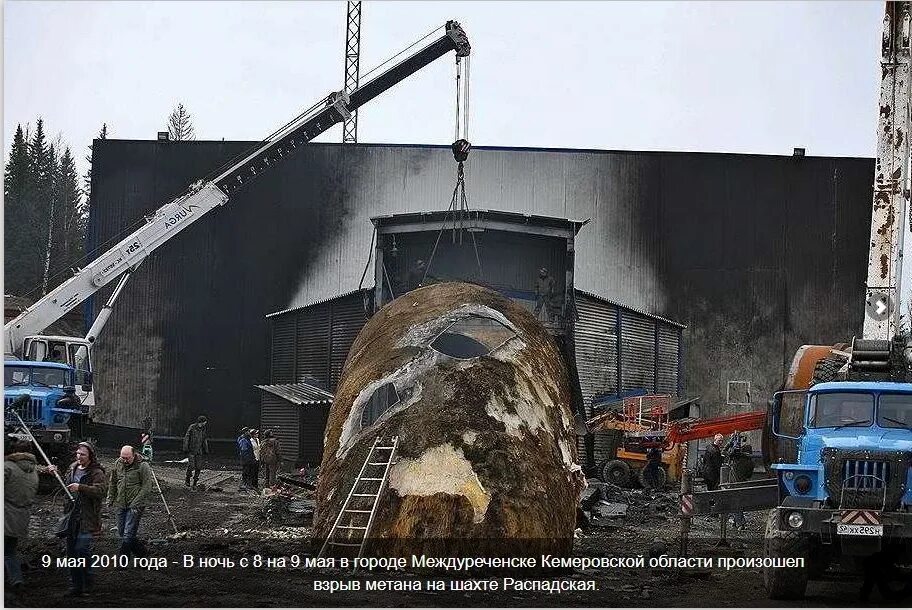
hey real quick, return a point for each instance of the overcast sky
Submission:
(757, 77)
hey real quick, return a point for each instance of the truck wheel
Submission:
(783, 582)
(827, 368)
(616, 472)
(652, 478)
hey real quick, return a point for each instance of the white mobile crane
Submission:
(24, 340)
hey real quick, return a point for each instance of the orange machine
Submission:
(644, 420)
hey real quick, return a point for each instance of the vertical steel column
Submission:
(891, 195)
(378, 272)
(686, 490)
(352, 61)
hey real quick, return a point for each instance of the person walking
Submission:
(196, 445)
(270, 457)
(86, 480)
(130, 486)
(247, 459)
(20, 486)
(255, 443)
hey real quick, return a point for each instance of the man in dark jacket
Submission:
(20, 485)
(712, 463)
(247, 458)
(196, 445)
(741, 460)
(87, 482)
(129, 489)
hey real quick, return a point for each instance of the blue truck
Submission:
(44, 396)
(847, 498)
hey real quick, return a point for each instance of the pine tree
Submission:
(49, 188)
(45, 217)
(38, 203)
(87, 178)
(179, 125)
(16, 213)
(71, 219)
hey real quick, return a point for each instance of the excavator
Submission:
(28, 352)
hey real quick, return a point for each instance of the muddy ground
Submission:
(221, 522)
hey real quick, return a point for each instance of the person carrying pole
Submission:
(86, 485)
(13, 408)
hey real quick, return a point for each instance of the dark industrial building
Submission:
(611, 349)
(754, 255)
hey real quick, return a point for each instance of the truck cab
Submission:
(44, 396)
(72, 351)
(849, 494)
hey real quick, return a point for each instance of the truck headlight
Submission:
(58, 437)
(789, 475)
(795, 520)
(803, 484)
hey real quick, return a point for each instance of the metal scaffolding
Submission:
(352, 58)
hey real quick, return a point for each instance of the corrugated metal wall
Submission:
(749, 251)
(596, 342)
(284, 350)
(283, 418)
(649, 350)
(300, 429)
(312, 343)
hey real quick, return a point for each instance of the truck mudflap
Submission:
(848, 525)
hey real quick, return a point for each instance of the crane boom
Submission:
(891, 194)
(206, 195)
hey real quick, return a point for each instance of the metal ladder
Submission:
(363, 498)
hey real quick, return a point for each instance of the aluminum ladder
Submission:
(361, 504)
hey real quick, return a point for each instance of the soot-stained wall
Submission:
(755, 254)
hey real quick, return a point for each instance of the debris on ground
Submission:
(603, 504)
(278, 523)
(287, 505)
(610, 509)
(300, 480)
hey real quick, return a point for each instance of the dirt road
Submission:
(224, 524)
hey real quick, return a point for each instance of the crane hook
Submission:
(461, 149)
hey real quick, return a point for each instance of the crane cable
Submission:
(459, 205)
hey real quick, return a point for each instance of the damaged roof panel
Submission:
(302, 394)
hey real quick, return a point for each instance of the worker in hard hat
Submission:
(544, 292)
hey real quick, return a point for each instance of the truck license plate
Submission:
(851, 529)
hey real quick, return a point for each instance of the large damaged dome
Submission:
(476, 391)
